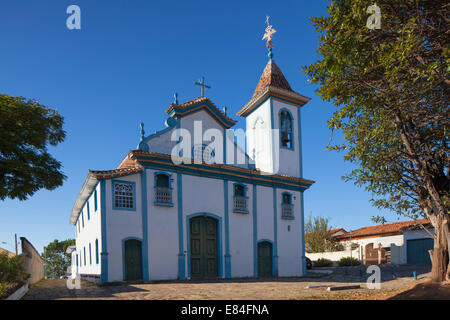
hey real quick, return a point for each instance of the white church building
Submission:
(184, 205)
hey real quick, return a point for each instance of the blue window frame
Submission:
(163, 189)
(82, 219)
(95, 200)
(124, 195)
(96, 251)
(88, 211)
(90, 255)
(77, 258)
(287, 208)
(240, 199)
(286, 129)
(84, 250)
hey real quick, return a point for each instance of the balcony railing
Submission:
(240, 204)
(163, 196)
(287, 211)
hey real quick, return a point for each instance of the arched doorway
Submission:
(203, 245)
(264, 259)
(132, 259)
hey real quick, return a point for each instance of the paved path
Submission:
(280, 289)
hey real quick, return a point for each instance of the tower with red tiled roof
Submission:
(273, 122)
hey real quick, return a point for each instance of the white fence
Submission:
(334, 256)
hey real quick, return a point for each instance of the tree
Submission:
(56, 260)
(318, 237)
(26, 128)
(391, 90)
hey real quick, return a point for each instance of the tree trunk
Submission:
(439, 254)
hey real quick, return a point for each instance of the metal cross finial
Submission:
(268, 35)
(175, 95)
(203, 85)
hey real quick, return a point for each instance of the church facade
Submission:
(186, 206)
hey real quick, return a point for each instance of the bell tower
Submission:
(273, 121)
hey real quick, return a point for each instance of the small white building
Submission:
(404, 242)
(184, 205)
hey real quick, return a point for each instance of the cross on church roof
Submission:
(203, 85)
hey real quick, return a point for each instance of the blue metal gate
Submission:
(417, 251)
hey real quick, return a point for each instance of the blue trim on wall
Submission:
(181, 255)
(272, 127)
(123, 255)
(227, 232)
(302, 230)
(299, 129)
(145, 247)
(104, 253)
(88, 210)
(95, 199)
(255, 233)
(219, 242)
(275, 234)
(113, 181)
(221, 174)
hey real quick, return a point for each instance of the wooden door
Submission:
(203, 247)
(133, 259)
(264, 259)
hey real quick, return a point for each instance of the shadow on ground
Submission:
(425, 291)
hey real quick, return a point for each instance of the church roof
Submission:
(272, 83)
(272, 76)
(197, 104)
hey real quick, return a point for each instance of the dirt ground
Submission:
(395, 285)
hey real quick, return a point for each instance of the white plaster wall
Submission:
(162, 143)
(385, 243)
(241, 235)
(87, 235)
(288, 159)
(121, 224)
(203, 195)
(333, 256)
(265, 213)
(263, 160)
(162, 231)
(289, 242)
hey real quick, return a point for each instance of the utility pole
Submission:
(15, 241)
(351, 248)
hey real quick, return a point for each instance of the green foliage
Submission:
(347, 261)
(391, 90)
(56, 260)
(318, 237)
(26, 128)
(11, 269)
(323, 262)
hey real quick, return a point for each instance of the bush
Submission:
(11, 269)
(347, 261)
(322, 262)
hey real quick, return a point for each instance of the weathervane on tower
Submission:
(268, 36)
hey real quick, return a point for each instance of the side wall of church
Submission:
(88, 236)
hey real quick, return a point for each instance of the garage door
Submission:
(417, 251)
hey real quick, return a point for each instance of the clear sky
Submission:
(123, 67)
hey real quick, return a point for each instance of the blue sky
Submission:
(123, 67)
